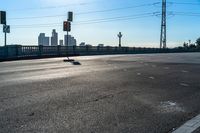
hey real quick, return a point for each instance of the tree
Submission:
(198, 42)
(185, 45)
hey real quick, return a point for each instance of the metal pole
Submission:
(5, 37)
(67, 39)
(120, 36)
(119, 41)
(67, 44)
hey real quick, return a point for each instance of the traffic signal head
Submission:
(2, 17)
(66, 26)
(70, 16)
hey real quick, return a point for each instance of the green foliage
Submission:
(198, 41)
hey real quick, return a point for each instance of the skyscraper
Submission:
(54, 38)
(42, 40)
(71, 40)
(61, 42)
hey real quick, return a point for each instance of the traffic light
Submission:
(2, 17)
(66, 26)
(70, 16)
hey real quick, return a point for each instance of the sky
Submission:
(99, 21)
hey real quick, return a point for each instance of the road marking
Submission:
(190, 126)
(184, 71)
(151, 77)
(153, 65)
(138, 74)
(166, 68)
(183, 84)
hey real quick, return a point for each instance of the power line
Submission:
(118, 19)
(89, 12)
(120, 8)
(183, 13)
(61, 6)
(37, 17)
(127, 16)
(51, 7)
(184, 3)
(89, 21)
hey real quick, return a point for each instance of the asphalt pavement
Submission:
(152, 93)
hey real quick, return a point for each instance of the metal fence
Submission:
(19, 51)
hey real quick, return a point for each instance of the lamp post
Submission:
(120, 37)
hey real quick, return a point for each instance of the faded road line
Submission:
(183, 84)
(189, 126)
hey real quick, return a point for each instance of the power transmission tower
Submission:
(163, 38)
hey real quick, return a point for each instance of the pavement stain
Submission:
(31, 114)
(170, 107)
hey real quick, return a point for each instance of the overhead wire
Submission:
(184, 3)
(88, 12)
(93, 21)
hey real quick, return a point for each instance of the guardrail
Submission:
(18, 51)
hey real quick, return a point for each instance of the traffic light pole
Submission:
(5, 39)
(67, 44)
(5, 42)
(67, 39)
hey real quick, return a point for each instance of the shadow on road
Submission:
(72, 61)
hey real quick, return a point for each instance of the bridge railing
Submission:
(19, 51)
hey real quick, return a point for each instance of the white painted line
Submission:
(183, 84)
(138, 74)
(153, 65)
(125, 70)
(184, 71)
(151, 77)
(166, 68)
(189, 126)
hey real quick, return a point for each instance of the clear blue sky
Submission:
(137, 29)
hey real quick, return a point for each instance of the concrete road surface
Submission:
(153, 93)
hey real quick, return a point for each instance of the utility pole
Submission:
(5, 42)
(120, 37)
(163, 38)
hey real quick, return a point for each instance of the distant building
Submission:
(71, 40)
(54, 38)
(101, 45)
(43, 40)
(61, 43)
(82, 44)
(88, 45)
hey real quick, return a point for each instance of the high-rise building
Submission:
(54, 38)
(43, 40)
(61, 43)
(71, 40)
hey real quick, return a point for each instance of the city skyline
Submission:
(141, 27)
(54, 39)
